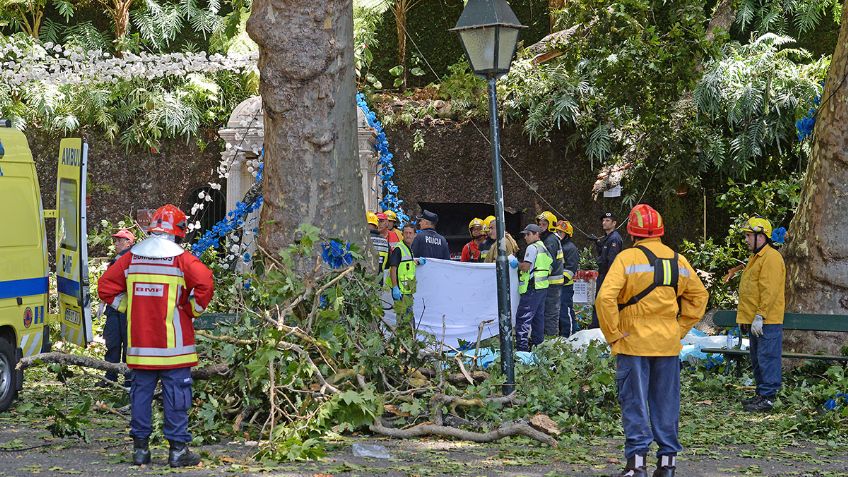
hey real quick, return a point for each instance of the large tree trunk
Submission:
(308, 92)
(817, 250)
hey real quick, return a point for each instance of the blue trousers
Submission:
(115, 336)
(649, 394)
(176, 391)
(530, 319)
(552, 301)
(765, 359)
(567, 319)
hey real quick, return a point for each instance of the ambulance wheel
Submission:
(8, 386)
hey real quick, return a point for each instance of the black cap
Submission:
(607, 215)
(532, 228)
(427, 215)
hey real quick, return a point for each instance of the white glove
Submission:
(757, 326)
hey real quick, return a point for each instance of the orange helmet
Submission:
(169, 219)
(565, 227)
(644, 221)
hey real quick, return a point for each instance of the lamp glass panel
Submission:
(507, 38)
(480, 45)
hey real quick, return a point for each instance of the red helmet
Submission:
(170, 220)
(644, 221)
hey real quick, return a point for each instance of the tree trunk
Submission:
(308, 93)
(817, 250)
(400, 10)
(553, 6)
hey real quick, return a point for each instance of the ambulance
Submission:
(24, 274)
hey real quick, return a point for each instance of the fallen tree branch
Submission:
(458, 378)
(512, 429)
(206, 372)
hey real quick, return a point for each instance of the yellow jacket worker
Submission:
(761, 307)
(638, 314)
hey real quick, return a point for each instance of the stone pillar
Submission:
(372, 186)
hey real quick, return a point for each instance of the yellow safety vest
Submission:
(540, 270)
(405, 271)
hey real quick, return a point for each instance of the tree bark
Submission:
(65, 359)
(308, 93)
(816, 252)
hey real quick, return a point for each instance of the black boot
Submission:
(141, 451)
(666, 466)
(635, 467)
(180, 455)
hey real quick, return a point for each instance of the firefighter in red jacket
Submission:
(162, 288)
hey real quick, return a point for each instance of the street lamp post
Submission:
(488, 30)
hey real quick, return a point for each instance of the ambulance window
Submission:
(21, 222)
(68, 213)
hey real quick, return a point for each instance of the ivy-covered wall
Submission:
(454, 167)
(428, 24)
(121, 181)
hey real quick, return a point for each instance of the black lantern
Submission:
(488, 30)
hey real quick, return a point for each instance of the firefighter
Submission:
(471, 250)
(115, 328)
(402, 275)
(547, 221)
(638, 311)
(380, 244)
(533, 287)
(486, 245)
(760, 311)
(162, 289)
(394, 234)
(571, 258)
(492, 251)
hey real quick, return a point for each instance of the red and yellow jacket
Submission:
(652, 326)
(162, 296)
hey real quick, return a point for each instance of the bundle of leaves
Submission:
(304, 354)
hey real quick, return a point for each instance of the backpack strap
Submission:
(666, 273)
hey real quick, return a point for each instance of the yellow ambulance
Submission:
(24, 277)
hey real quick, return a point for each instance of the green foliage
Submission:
(775, 199)
(783, 16)
(72, 423)
(713, 259)
(587, 259)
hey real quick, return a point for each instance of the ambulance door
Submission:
(72, 243)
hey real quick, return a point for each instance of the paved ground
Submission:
(107, 453)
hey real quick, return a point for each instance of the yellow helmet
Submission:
(391, 215)
(758, 225)
(371, 217)
(565, 226)
(550, 218)
(487, 223)
(475, 222)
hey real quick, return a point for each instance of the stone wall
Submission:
(454, 167)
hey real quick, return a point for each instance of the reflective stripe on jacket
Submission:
(761, 291)
(406, 270)
(539, 272)
(164, 295)
(652, 326)
(551, 241)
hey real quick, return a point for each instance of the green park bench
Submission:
(791, 321)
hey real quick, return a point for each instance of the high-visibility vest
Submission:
(381, 246)
(540, 270)
(559, 279)
(406, 270)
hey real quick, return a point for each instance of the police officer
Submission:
(533, 288)
(608, 247)
(428, 243)
(571, 258)
(547, 222)
(638, 310)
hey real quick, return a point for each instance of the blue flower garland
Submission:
(390, 199)
(234, 220)
(806, 124)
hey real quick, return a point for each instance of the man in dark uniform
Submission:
(115, 329)
(571, 258)
(547, 221)
(608, 247)
(428, 243)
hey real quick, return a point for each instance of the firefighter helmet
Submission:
(644, 221)
(169, 219)
(548, 217)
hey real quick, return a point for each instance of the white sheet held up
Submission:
(462, 295)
